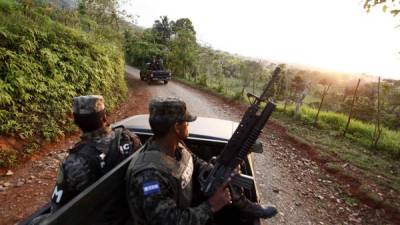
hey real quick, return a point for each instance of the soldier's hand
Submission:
(236, 171)
(220, 198)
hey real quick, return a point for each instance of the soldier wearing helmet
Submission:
(99, 150)
(160, 175)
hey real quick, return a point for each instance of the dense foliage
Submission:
(45, 63)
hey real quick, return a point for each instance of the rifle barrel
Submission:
(271, 82)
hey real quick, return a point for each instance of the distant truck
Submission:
(154, 71)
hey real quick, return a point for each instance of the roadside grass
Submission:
(381, 165)
(358, 132)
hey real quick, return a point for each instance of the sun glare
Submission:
(336, 35)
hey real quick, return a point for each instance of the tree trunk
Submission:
(322, 101)
(351, 108)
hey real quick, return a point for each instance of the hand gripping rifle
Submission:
(240, 143)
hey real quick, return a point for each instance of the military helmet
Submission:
(90, 104)
(169, 108)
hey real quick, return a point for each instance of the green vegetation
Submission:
(371, 142)
(388, 6)
(8, 158)
(359, 132)
(347, 149)
(47, 57)
(375, 103)
(327, 138)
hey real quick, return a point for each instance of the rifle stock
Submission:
(237, 148)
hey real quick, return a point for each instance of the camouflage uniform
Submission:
(156, 196)
(96, 154)
(159, 187)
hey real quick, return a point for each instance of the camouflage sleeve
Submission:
(200, 165)
(77, 174)
(136, 143)
(73, 177)
(152, 199)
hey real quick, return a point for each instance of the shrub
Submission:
(44, 64)
(202, 81)
(8, 158)
(238, 96)
(7, 6)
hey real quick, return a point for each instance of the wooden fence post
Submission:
(326, 89)
(351, 108)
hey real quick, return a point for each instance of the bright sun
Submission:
(337, 35)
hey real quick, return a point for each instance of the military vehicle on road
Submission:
(154, 71)
(207, 138)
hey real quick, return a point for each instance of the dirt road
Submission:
(285, 176)
(302, 193)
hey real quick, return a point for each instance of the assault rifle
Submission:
(237, 148)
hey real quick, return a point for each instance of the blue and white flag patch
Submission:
(151, 187)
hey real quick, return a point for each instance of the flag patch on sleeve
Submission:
(151, 187)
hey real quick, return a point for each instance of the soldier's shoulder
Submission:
(147, 175)
(74, 160)
(125, 132)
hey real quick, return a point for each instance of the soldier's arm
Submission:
(73, 177)
(77, 173)
(136, 143)
(151, 193)
(200, 165)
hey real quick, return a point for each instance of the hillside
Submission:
(45, 63)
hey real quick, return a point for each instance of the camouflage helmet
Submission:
(171, 108)
(90, 104)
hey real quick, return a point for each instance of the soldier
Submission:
(99, 150)
(159, 177)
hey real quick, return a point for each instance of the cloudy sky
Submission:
(329, 34)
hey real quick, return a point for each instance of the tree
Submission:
(390, 6)
(366, 98)
(104, 12)
(182, 24)
(281, 89)
(162, 29)
(347, 92)
(391, 104)
(140, 47)
(299, 92)
(244, 70)
(249, 72)
(183, 53)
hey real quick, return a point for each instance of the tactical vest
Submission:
(180, 171)
(101, 158)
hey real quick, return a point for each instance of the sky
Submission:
(333, 35)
